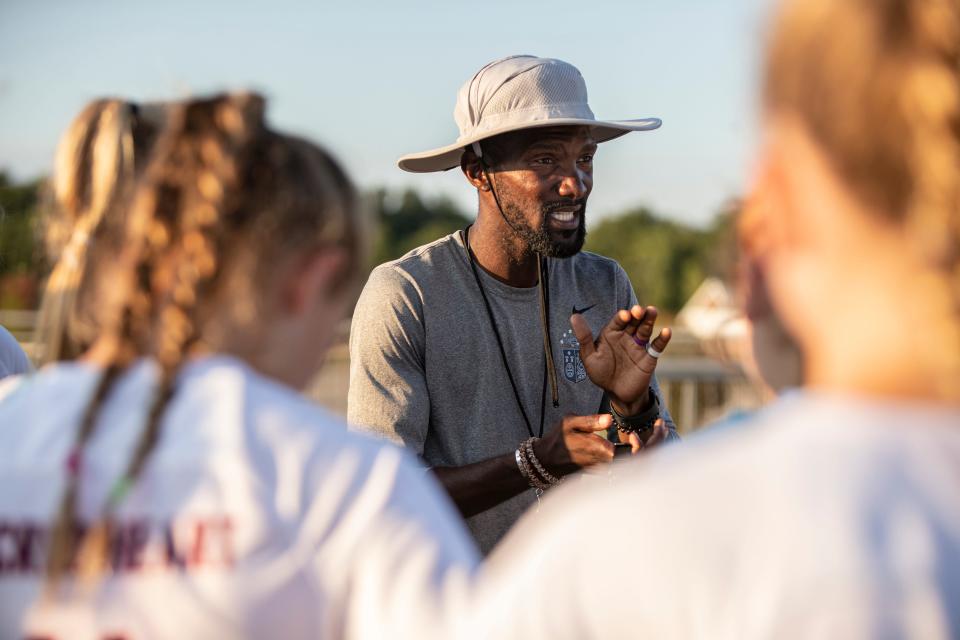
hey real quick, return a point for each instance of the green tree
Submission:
(406, 221)
(19, 247)
(20, 254)
(666, 261)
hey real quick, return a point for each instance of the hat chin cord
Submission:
(543, 287)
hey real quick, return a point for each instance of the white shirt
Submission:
(257, 515)
(824, 517)
(13, 360)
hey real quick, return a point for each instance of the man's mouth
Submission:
(565, 218)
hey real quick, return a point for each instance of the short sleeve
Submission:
(388, 391)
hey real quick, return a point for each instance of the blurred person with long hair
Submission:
(171, 482)
(836, 511)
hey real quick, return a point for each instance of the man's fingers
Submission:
(620, 321)
(638, 314)
(588, 424)
(663, 338)
(584, 336)
(589, 449)
(605, 449)
(644, 321)
(635, 445)
(658, 435)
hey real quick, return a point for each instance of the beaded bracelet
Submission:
(527, 448)
(640, 422)
(528, 473)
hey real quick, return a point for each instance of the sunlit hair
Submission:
(222, 200)
(96, 163)
(877, 85)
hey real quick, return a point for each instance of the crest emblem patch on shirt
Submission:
(573, 369)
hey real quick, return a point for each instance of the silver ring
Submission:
(653, 352)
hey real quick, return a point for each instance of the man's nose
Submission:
(574, 184)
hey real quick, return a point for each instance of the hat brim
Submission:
(448, 157)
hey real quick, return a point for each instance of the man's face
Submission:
(543, 178)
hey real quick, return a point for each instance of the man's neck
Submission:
(500, 253)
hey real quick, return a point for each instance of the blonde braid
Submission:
(84, 201)
(97, 162)
(93, 161)
(131, 334)
(177, 262)
(930, 98)
(64, 534)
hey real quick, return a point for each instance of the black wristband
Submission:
(641, 421)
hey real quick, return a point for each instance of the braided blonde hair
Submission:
(222, 193)
(96, 163)
(877, 84)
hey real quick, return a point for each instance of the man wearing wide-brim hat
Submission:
(502, 354)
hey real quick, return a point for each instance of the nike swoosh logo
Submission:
(584, 310)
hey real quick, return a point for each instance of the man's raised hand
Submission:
(617, 361)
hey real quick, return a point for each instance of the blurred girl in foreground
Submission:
(837, 512)
(172, 483)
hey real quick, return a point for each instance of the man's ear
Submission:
(313, 276)
(472, 168)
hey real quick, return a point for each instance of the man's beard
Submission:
(557, 244)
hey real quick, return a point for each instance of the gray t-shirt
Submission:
(426, 371)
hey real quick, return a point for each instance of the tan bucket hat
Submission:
(519, 92)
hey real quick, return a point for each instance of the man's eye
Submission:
(545, 162)
(586, 158)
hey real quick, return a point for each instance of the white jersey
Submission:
(13, 360)
(257, 515)
(822, 517)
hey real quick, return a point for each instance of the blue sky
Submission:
(375, 80)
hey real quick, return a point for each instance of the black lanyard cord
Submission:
(503, 352)
(543, 287)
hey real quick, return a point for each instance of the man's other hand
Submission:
(574, 444)
(656, 436)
